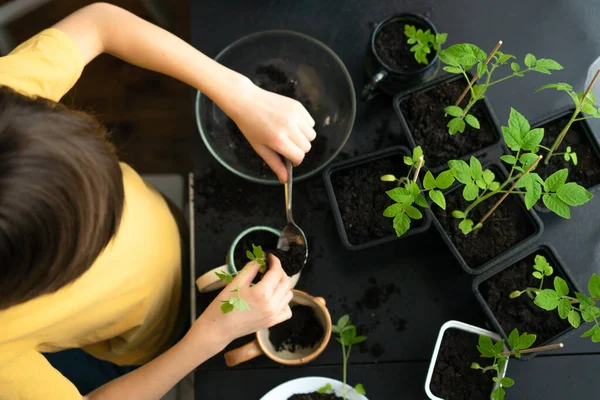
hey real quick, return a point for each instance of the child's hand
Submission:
(274, 124)
(268, 300)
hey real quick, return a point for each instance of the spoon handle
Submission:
(288, 191)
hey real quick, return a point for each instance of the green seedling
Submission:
(495, 351)
(460, 58)
(423, 42)
(556, 193)
(574, 309)
(236, 302)
(408, 194)
(346, 337)
(584, 103)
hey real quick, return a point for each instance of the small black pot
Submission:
(502, 257)
(353, 163)
(559, 270)
(588, 136)
(383, 77)
(489, 113)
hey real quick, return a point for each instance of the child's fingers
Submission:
(247, 275)
(267, 285)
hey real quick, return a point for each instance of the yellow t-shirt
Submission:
(124, 308)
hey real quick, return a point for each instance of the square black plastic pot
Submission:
(337, 215)
(489, 114)
(505, 255)
(559, 270)
(587, 134)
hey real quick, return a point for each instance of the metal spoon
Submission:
(292, 232)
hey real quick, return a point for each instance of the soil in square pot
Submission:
(315, 396)
(303, 330)
(358, 198)
(424, 122)
(503, 233)
(453, 378)
(493, 291)
(292, 260)
(582, 141)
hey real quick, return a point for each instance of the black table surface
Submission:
(425, 284)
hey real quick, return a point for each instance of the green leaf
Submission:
(507, 382)
(564, 308)
(556, 205)
(485, 342)
(226, 308)
(343, 321)
(393, 210)
(358, 339)
(413, 212)
(421, 201)
(454, 111)
(258, 251)
(584, 300)
(456, 125)
(526, 340)
(401, 224)
(438, 198)
(574, 319)
(388, 178)
(481, 69)
(537, 275)
(515, 67)
(458, 214)
(530, 60)
(533, 189)
(573, 194)
(453, 70)
(556, 180)
(440, 39)
(512, 138)
(414, 189)
(494, 186)
(471, 120)
(445, 179)
(596, 336)
(470, 192)
(547, 299)
(589, 314)
(561, 287)
(503, 58)
(239, 304)
(326, 388)
(532, 139)
(476, 170)
(481, 183)
(513, 338)
(462, 55)
(488, 176)
(518, 122)
(417, 153)
(545, 65)
(398, 194)
(498, 394)
(594, 285)
(509, 159)
(250, 255)
(590, 332)
(478, 91)
(224, 276)
(466, 226)
(360, 389)
(475, 366)
(527, 159)
(462, 171)
(408, 160)
(429, 181)
(558, 86)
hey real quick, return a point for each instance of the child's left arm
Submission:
(271, 123)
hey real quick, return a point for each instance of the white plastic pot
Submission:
(463, 327)
(309, 385)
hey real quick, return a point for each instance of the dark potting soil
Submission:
(361, 198)
(522, 313)
(315, 396)
(506, 227)
(273, 79)
(453, 378)
(424, 114)
(587, 171)
(394, 51)
(301, 331)
(293, 259)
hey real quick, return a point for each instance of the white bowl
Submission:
(309, 385)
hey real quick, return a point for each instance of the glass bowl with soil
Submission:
(293, 65)
(509, 230)
(493, 290)
(358, 198)
(389, 63)
(292, 261)
(306, 389)
(424, 122)
(296, 341)
(450, 376)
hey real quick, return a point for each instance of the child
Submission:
(90, 255)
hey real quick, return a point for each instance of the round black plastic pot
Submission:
(405, 124)
(363, 161)
(383, 77)
(531, 216)
(559, 270)
(586, 138)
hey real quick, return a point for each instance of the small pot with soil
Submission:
(307, 389)
(292, 261)
(581, 140)
(390, 64)
(450, 376)
(422, 118)
(509, 229)
(296, 341)
(493, 290)
(358, 198)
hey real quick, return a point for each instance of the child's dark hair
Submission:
(61, 196)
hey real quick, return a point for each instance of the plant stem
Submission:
(509, 76)
(344, 369)
(575, 301)
(476, 76)
(563, 133)
(419, 165)
(532, 166)
(536, 349)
